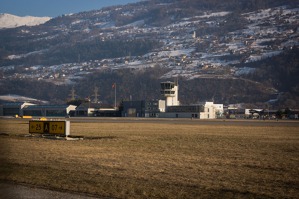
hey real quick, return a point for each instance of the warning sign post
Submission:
(50, 127)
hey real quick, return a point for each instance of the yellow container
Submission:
(27, 117)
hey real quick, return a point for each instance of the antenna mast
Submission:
(72, 94)
(96, 94)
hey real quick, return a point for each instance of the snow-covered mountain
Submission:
(13, 21)
(19, 98)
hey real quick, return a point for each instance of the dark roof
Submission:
(89, 105)
(14, 104)
(31, 107)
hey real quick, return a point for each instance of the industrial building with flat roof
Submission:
(48, 110)
(13, 108)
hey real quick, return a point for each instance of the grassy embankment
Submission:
(157, 160)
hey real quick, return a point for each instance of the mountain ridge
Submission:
(13, 21)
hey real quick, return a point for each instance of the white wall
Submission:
(161, 104)
(70, 108)
(173, 100)
(211, 111)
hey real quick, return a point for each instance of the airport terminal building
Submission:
(168, 107)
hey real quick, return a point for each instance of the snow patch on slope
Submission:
(19, 98)
(12, 21)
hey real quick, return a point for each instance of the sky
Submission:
(55, 8)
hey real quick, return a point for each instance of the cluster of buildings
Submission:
(186, 51)
(168, 107)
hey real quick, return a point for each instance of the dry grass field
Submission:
(150, 159)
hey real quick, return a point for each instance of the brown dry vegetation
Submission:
(158, 159)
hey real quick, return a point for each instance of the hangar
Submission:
(13, 108)
(48, 110)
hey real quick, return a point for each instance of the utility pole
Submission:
(96, 94)
(115, 96)
(114, 87)
(72, 94)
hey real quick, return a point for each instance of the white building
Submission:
(170, 91)
(161, 105)
(173, 109)
(212, 111)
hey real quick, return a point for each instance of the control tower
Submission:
(170, 91)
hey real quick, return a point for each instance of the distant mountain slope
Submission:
(229, 51)
(12, 21)
(18, 98)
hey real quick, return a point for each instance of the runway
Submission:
(189, 121)
(245, 122)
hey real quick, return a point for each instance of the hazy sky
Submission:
(54, 8)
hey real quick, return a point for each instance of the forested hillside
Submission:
(230, 51)
(145, 84)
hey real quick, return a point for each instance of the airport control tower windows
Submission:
(169, 90)
(167, 85)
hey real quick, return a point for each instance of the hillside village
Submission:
(211, 44)
(267, 33)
